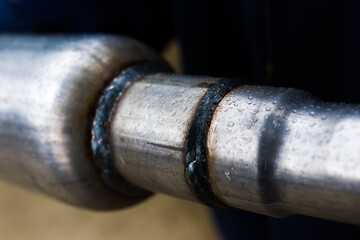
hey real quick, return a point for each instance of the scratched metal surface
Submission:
(150, 130)
(49, 89)
(282, 152)
(276, 151)
(160, 217)
(271, 150)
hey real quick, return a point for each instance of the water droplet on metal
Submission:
(230, 124)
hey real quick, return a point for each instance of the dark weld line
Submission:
(196, 166)
(101, 128)
(269, 148)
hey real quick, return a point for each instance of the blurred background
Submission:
(312, 45)
(28, 215)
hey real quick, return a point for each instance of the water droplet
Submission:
(268, 108)
(312, 113)
(230, 124)
(323, 117)
(246, 139)
(294, 120)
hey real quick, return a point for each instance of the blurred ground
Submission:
(29, 215)
(172, 55)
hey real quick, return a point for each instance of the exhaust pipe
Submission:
(101, 122)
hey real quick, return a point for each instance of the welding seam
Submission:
(101, 128)
(196, 166)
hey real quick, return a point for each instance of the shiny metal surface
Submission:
(149, 131)
(269, 150)
(281, 152)
(273, 151)
(49, 91)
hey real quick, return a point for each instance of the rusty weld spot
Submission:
(196, 166)
(101, 128)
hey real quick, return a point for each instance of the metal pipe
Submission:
(221, 142)
(49, 88)
(269, 150)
